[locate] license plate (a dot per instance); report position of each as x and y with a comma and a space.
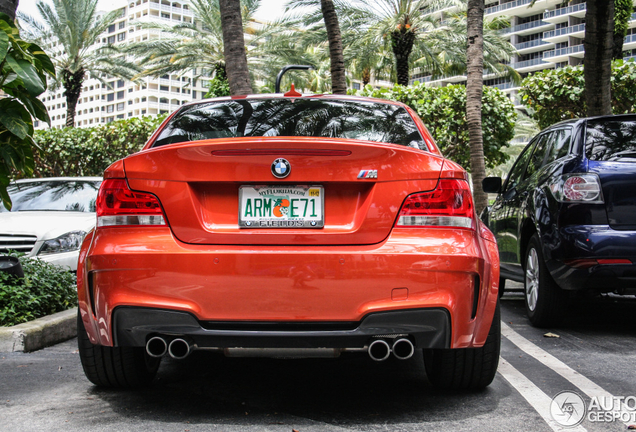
281, 207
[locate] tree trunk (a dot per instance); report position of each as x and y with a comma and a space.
366, 76
234, 48
72, 83
623, 10
402, 41
474, 92
9, 7
597, 61
338, 81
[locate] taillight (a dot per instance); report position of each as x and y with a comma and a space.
117, 205
582, 188
449, 205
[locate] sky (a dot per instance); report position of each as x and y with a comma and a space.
269, 10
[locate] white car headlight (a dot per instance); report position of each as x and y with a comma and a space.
68, 242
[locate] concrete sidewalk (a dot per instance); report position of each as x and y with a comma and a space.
39, 333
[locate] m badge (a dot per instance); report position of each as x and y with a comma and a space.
368, 174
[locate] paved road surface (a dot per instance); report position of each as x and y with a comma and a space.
595, 355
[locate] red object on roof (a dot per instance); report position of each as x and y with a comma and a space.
292, 92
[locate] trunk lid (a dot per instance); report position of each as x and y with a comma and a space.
198, 185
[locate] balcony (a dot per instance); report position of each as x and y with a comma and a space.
504, 86
530, 44
578, 10
529, 64
564, 31
567, 51
506, 6
527, 26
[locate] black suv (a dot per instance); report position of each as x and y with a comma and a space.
565, 218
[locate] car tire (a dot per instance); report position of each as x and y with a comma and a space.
502, 286
543, 298
466, 368
115, 367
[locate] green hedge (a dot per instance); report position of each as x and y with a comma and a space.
443, 110
89, 151
44, 290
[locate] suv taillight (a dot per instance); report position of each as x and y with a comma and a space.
582, 188
449, 205
117, 205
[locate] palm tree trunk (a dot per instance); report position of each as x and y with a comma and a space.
402, 41
338, 81
597, 60
72, 83
474, 91
9, 7
366, 76
238, 74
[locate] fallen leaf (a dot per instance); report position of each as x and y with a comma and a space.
59, 368
551, 335
631, 427
294, 430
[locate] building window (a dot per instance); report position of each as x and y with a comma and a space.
163, 100
122, 24
120, 106
143, 112
120, 94
110, 108
165, 15
163, 88
120, 116
111, 28
111, 39
130, 102
121, 37
110, 97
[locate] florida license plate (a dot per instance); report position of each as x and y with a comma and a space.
281, 207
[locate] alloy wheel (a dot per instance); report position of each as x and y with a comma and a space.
532, 279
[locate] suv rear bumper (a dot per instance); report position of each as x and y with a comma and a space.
426, 328
585, 242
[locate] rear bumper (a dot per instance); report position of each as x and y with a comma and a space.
420, 273
427, 328
595, 242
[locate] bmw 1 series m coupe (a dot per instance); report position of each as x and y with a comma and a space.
288, 226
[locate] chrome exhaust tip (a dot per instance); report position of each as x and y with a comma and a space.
379, 350
179, 349
403, 349
156, 347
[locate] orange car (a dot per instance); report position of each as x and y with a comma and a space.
288, 226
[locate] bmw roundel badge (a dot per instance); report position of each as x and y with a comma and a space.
281, 168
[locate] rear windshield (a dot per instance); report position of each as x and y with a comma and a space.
62, 195
369, 121
611, 140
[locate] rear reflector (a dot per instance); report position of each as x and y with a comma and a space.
449, 205
586, 263
117, 205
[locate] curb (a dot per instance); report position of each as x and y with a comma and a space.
39, 333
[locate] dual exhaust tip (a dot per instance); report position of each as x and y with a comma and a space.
177, 349
380, 350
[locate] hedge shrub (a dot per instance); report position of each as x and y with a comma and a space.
89, 151
558, 94
44, 290
443, 110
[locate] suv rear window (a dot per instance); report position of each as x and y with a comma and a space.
369, 121
611, 140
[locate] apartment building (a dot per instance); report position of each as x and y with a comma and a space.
546, 34
117, 99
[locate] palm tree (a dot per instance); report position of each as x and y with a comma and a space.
474, 92
597, 60
234, 47
8, 7
338, 82
76, 27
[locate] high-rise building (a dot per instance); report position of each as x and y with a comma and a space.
117, 99
546, 34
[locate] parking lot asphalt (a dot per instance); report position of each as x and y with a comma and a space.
594, 355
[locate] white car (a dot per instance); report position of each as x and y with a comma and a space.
49, 218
